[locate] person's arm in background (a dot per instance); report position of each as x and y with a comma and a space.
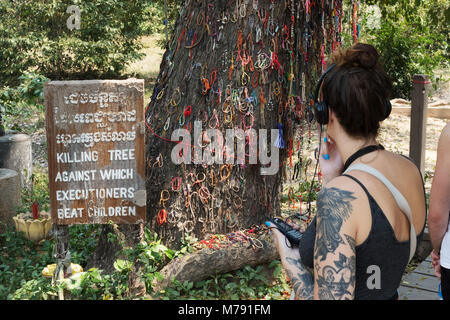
438, 216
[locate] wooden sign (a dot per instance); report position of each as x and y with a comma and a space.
95, 141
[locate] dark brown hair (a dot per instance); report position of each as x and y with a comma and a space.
357, 90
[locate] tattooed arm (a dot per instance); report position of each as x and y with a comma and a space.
300, 276
302, 280
334, 250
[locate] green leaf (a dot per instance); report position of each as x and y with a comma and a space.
123, 265
169, 253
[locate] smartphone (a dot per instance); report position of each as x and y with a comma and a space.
289, 232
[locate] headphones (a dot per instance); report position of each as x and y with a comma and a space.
320, 108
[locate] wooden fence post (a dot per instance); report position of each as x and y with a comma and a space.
419, 104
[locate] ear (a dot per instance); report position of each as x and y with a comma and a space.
331, 117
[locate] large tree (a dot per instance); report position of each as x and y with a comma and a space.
231, 65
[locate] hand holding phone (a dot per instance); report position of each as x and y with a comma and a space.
289, 232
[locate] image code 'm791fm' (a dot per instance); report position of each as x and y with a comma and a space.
224, 310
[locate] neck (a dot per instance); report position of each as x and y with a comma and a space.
347, 145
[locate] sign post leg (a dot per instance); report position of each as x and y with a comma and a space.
62, 255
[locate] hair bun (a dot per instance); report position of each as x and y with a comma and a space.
362, 55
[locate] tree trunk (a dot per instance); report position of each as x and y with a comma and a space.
207, 262
252, 55
105, 254
232, 64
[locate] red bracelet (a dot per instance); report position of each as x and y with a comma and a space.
162, 216
176, 186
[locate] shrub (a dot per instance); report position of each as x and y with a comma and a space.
22, 107
156, 13
21, 265
34, 36
411, 36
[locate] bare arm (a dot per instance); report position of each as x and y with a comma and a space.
301, 278
438, 217
334, 252
333, 277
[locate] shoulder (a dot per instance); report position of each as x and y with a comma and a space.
444, 139
446, 131
399, 169
337, 204
399, 161
342, 191
404, 174
441, 181
337, 201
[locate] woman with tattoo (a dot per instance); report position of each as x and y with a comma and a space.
371, 210
438, 219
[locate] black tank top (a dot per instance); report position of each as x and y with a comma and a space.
381, 248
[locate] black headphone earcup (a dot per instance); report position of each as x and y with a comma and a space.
320, 109
321, 112
388, 109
